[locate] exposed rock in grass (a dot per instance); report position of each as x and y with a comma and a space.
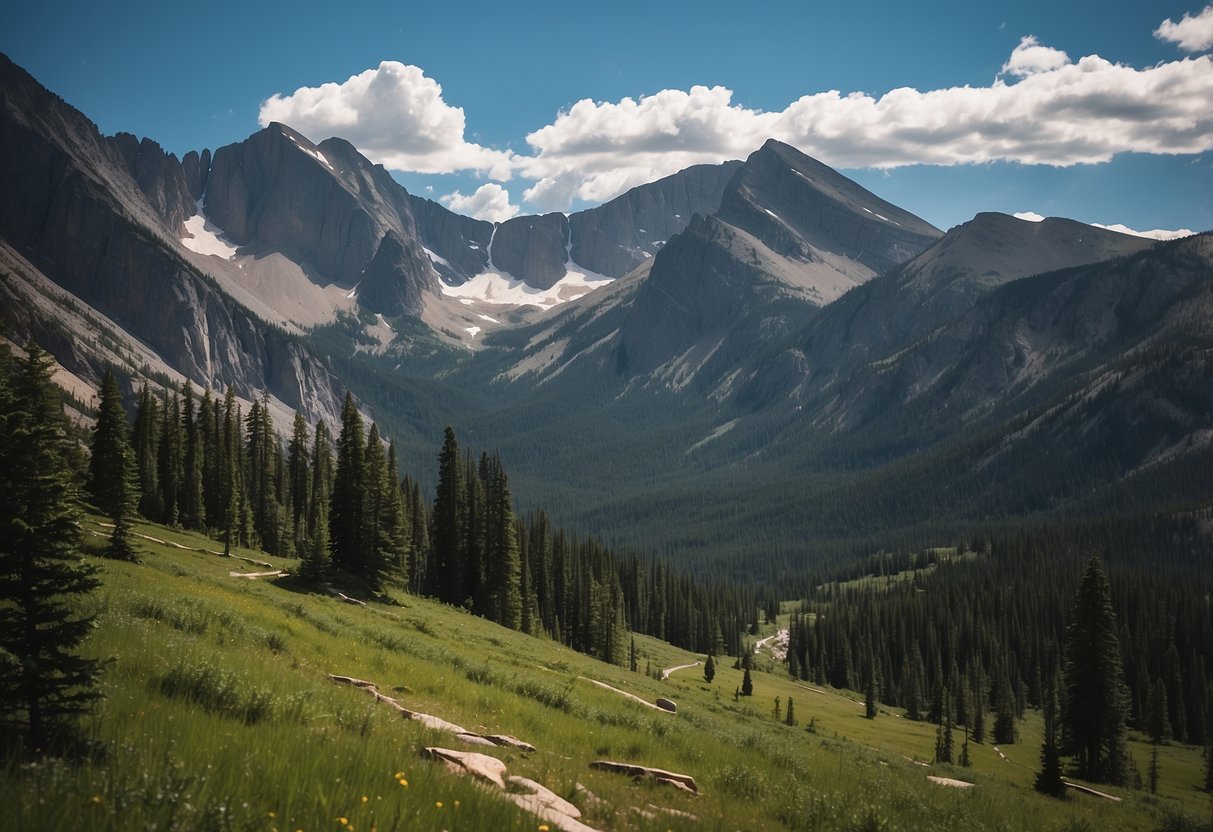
474, 739
480, 765
948, 781
685, 781
667, 705
508, 741
277, 573
1092, 792
541, 794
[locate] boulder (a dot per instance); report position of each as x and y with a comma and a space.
483, 766
667, 705
544, 796
633, 770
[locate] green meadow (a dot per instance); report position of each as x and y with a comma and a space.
219, 714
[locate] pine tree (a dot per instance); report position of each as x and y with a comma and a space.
448, 524
345, 505
1158, 726
316, 558
747, 683
112, 471
107, 464
1096, 701
1048, 779
502, 568
709, 670
230, 472
169, 462
397, 534
790, 719
193, 506
369, 560
301, 483
41, 572
145, 437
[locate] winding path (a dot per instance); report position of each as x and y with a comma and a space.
665, 673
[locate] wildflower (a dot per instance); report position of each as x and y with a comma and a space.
456, 804
438, 804
97, 799
365, 799
404, 782
543, 827
399, 775
271, 813
343, 821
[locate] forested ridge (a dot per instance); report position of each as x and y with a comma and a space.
338, 503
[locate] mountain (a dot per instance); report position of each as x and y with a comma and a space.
100, 218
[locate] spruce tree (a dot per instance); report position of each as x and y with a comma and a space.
301, 483
107, 462
790, 719
709, 670
345, 505
145, 437
193, 506
230, 472
1048, 779
1158, 726
747, 683
448, 524
42, 575
169, 462
1096, 701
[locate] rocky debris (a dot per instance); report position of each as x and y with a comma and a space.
277, 573
682, 781
948, 781
533, 249
480, 765
588, 798
474, 739
667, 705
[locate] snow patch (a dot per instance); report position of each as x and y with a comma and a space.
353, 293
503, 289
315, 154
473, 331
436, 259
204, 238
488, 318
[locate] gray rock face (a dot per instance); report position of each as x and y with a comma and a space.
795, 204
462, 242
533, 249
159, 175
324, 206
619, 235
197, 167
73, 208
394, 282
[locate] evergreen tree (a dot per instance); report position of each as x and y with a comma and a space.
709, 670
790, 719
193, 506
112, 470
502, 568
964, 750
301, 483
145, 437
1048, 779
1096, 697
747, 683
370, 559
169, 462
1158, 726
448, 524
345, 505
397, 535
230, 472
107, 463
41, 572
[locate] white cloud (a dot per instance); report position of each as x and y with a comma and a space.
1030, 58
1156, 234
1073, 113
394, 115
489, 202
1030, 216
1191, 34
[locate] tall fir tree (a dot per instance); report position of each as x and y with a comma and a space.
169, 451
1048, 779
193, 505
1096, 701
345, 505
145, 437
42, 575
448, 525
301, 482
107, 463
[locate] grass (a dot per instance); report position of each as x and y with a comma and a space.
218, 715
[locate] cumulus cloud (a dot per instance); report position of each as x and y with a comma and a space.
1155, 234
488, 202
1191, 34
394, 115
1056, 112
1030, 57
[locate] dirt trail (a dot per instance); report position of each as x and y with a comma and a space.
665, 673
632, 696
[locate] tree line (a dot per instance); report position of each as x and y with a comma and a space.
339, 505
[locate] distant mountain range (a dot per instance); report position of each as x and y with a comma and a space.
756, 359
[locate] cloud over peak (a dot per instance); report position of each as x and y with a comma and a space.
488, 202
395, 115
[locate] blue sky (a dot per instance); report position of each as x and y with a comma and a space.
1096, 117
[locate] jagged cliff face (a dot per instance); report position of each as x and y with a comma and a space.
100, 218
790, 235
323, 206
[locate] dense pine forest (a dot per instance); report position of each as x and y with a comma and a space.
339, 504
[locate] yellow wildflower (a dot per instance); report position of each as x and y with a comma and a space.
438, 804
365, 798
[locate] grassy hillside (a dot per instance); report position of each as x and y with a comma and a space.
219, 714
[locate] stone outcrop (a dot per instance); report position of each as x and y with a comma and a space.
619, 235
397, 278
681, 781
532, 249
160, 177
461, 244
324, 206
197, 168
